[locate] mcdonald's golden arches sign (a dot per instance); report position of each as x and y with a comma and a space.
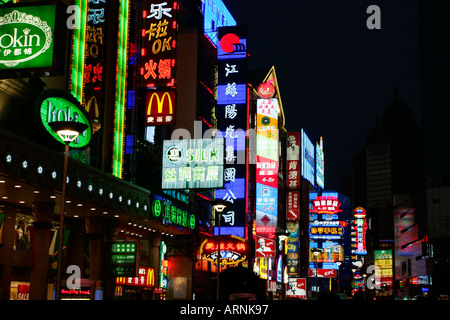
160, 108
145, 278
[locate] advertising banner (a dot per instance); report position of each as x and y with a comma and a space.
296, 288
265, 248
266, 166
160, 107
231, 115
193, 164
293, 243
307, 158
27, 37
158, 46
293, 161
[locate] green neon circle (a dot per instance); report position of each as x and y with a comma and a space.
156, 208
59, 109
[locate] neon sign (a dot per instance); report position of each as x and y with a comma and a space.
320, 164
360, 227
233, 250
195, 163
26, 37
307, 158
160, 108
158, 44
145, 278
231, 114
326, 205
59, 106
171, 213
266, 165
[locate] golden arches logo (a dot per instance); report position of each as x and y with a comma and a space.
160, 99
93, 102
150, 281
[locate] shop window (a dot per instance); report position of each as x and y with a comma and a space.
22, 239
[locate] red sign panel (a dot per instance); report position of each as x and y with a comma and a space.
158, 44
145, 278
233, 250
160, 108
265, 248
322, 273
326, 205
293, 206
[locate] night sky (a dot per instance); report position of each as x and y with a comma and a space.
335, 75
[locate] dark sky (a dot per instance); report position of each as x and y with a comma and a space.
335, 75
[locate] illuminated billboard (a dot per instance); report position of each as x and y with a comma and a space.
192, 164
160, 107
320, 164
27, 38
158, 51
94, 59
307, 158
231, 115
360, 228
266, 165
293, 161
215, 15
59, 105
233, 250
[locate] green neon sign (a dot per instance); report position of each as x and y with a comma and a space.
173, 214
60, 109
26, 37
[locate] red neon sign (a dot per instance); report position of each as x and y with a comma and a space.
326, 205
233, 250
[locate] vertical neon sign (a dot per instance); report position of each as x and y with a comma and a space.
79, 42
266, 166
120, 99
232, 115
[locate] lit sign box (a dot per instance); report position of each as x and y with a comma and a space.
233, 250
307, 158
172, 213
215, 15
160, 108
158, 46
320, 164
124, 259
325, 232
145, 278
326, 205
192, 164
27, 38
59, 105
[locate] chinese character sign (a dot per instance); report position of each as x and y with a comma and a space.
160, 107
293, 161
158, 44
231, 115
266, 166
94, 58
195, 163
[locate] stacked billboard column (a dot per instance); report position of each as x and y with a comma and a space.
232, 115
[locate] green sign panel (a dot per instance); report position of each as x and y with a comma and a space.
172, 213
193, 164
124, 259
57, 108
123, 247
26, 37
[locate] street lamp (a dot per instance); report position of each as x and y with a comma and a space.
219, 206
68, 131
316, 252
